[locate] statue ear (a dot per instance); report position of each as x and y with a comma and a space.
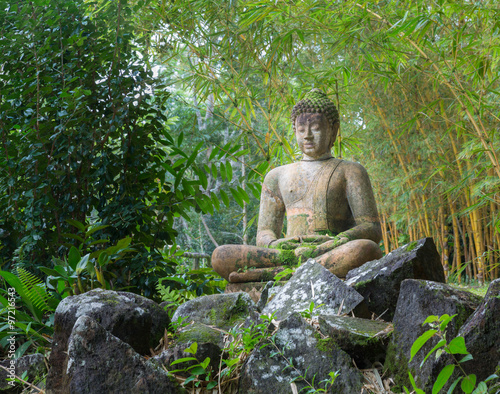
335, 130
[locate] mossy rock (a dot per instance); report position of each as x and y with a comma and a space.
364, 340
199, 333
379, 281
223, 311
482, 334
419, 299
268, 368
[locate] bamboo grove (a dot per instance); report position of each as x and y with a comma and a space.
417, 88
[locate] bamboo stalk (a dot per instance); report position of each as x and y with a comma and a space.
459, 93
384, 233
444, 243
456, 240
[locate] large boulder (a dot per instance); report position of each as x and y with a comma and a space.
313, 283
419, 299
364, 340
135, 320
379, 281
297, 354
482, 335
99, 362
223, 311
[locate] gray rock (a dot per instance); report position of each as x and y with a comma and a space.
33, 364
313, 283
482, 335
364, 340
99, 362
199, 333
219, 310
204, 350
209, 344
418, 300
379, 281
268, 293
136, 320
297, 353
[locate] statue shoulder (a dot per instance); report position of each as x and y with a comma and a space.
353, 169
273, 176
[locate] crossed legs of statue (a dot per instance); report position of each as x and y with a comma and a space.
232, 262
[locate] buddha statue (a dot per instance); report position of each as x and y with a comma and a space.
331, 214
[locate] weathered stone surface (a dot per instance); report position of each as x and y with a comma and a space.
482, 334
32, 363
254, 289
219, 310
204, 350
419, 299
379, 281
200, 333
99, 362
136, 320
266, 369
209, 342
313, 283
364, 340
268, 293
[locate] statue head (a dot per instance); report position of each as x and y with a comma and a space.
316, 102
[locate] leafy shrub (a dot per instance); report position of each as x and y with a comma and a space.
454, 348
84, 136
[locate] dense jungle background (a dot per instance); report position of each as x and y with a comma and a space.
134, 134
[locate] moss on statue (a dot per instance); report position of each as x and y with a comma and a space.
287, 257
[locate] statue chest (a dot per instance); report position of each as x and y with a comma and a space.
311, 192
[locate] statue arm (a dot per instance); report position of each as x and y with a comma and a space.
272, 210
362, 203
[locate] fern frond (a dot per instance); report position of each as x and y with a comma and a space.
176, 297
35, 289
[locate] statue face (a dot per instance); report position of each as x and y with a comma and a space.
314, 135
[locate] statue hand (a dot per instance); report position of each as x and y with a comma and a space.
285, 243
330, 245
316, 239
308, 252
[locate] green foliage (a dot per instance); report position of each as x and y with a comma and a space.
417, 94
32, 290
84, 137
454, 348
198, 372
308, 313
27, 313
185, 286
76, 274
